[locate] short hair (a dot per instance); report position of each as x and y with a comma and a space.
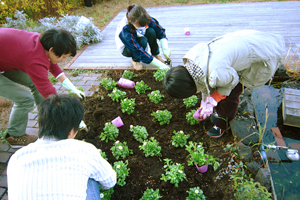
58, 115
61, 40
179, 83
136, 13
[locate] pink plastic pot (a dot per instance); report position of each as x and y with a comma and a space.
187, 31
126, 83
117, 121
202, 169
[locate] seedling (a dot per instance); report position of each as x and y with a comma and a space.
120, 150
159, 75
191, 101
117, 94
141, 87
128, 105
108, 83
156, 96
151, 147
128, 74
111, 132
139, 133
179, 139
190, 119
150, 194
174, 172
195, 194
122, 172
163, 117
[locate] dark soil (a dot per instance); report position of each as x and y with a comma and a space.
145, 172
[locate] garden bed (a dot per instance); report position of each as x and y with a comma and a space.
146, 172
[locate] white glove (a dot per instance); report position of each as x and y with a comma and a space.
155, 62
82, 125
67, 84
207, 107
165, 48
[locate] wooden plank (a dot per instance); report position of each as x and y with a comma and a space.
291, 107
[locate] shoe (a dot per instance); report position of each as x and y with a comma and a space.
215, 132
137, 65
20, 141
158, 57
214, 118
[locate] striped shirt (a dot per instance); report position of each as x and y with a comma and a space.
50, 169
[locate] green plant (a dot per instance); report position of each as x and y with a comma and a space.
141, 87
191, 101
122, 171
246, 188
73, 94
111, 132
150, 194
128, 74
106, 194
156, 96
103, 154
108, 83
195, 194
3, 133
163, 117
117, 94
120, 150
174, 172
159, 75
128, 105
262, 130
190, 119
139, 132
233, 148
179, 139
197, 155
77, 71
52, 79
151, 147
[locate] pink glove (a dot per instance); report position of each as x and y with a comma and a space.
206, 108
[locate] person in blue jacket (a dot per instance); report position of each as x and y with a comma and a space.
135, 31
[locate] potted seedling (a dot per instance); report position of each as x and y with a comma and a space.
117, 121
156, 96
141, 87
126, 83
111, 132
120, 150
117, 94
179, 139
151, 147
174, 172
139, 132
128, 105
108, 83
199, 158
122, 172
159, 75
163, 117
191, 101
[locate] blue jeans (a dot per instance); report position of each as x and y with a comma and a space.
92, 191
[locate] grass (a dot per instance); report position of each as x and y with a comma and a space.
292, 64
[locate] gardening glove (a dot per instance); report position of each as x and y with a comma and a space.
69, 85
155, 62
165, 48
82, 125
207, 107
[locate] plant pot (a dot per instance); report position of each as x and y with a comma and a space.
117, 121
88, 3
202, 169
126, 83
197, 114
187, 31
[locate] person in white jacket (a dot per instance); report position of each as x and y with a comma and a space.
222, 68
135, 31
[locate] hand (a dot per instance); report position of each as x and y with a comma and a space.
207, 107
165, 48
69, 85
82, 125
79, 93
155, 62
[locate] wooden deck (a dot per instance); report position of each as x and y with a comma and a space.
205, 22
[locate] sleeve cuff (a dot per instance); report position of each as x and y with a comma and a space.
217, 96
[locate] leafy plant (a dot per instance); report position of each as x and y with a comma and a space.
73, 94
151, 147
52, 79
179, 139
174, 172
122, 172
120, 150
191, 101
150, 194
246, 187
195, 194
156, 96
141, 87
233, 148
103, 154
128, 105
117, 94
197, 155
108, 83
139, 132
111, 132
190, 119
106, 194
159, 74
77, 71
128, 74
163, 117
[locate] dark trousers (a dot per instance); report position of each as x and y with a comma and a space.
150, 37
227, 108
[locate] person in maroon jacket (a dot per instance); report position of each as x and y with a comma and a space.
26, 58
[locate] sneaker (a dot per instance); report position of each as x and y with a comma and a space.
214, 118
137, 65
158, 57
215, 132
20, 141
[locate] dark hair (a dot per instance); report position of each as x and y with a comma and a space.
58, 115
136, 13
179, 83
61, 40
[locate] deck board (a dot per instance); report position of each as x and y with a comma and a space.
205, 22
